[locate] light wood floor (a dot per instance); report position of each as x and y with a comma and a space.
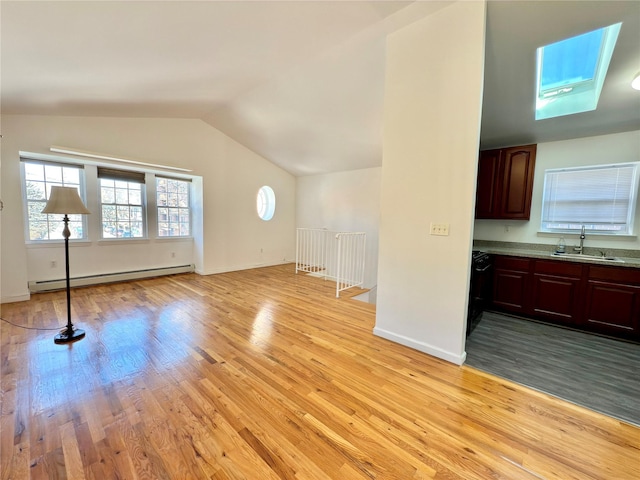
263, 374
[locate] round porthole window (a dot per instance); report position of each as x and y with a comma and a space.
266, 203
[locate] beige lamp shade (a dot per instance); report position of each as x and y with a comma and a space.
65, 200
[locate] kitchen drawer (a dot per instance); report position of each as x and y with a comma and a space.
559, 268
629, 276
512, 263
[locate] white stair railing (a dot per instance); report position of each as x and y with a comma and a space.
335, 255
350, 263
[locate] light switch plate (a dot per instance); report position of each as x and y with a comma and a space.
439, 229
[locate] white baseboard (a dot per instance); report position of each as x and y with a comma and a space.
421, 346
238, 268
58, 284
15, 298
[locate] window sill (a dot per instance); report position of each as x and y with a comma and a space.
56, 243
588, 234
174, 239
117, 241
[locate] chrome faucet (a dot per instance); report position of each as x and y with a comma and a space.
580, 249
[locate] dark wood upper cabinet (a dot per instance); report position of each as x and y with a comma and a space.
517, 183
505, 183
487, 191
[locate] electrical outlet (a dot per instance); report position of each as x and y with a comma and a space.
173, 254
440, 229
53, 264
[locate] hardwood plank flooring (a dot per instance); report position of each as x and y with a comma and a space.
263, 374
599, 373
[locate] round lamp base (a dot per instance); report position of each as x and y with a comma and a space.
65, 337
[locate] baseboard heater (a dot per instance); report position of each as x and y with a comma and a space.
48, 285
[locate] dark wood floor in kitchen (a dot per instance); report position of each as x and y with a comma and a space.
600, 373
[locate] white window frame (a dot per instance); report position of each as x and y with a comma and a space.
266, 203
550, 223
581, 96
161, 205
54, 221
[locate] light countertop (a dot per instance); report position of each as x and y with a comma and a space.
546, 252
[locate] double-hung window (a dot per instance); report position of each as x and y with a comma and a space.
174, 207
39, 177
603, 198
122, 203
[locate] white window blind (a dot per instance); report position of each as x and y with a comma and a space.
602, 198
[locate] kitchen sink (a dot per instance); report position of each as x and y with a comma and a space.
598, 258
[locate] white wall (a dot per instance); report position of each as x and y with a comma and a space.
433, 98
616, 148
344, 201
229, 236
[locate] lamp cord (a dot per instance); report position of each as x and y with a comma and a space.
31, 328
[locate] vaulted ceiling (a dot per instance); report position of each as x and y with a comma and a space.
300, 83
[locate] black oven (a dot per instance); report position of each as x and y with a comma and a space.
480, 288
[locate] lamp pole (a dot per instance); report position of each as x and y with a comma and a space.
68, 334
66, 200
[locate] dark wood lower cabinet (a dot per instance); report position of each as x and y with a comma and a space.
613, 301
602, 299
511, 283
556, 291
612, 306
556, 298
510, 290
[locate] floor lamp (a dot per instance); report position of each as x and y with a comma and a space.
66, 201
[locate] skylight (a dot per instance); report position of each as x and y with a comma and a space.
571, 72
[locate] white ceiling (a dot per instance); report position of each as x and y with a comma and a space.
515, 30
301, 83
